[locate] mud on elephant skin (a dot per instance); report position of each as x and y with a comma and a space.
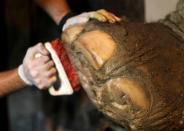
133, 72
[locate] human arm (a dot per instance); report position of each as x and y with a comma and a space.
10, 81
59, 10
56, 9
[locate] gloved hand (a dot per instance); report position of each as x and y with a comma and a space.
101, 15
38, 71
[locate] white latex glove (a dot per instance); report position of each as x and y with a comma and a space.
38, 71
101, 15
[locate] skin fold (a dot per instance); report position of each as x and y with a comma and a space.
133, 72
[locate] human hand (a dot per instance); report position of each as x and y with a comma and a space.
38, 71
100, 15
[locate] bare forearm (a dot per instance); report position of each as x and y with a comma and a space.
10, 81
57, 9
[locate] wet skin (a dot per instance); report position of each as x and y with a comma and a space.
131, 71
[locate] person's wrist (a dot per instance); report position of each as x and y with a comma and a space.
64, 19
56, 9
22, 75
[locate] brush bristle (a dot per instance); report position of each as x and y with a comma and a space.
61, 53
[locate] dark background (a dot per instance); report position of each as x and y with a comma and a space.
3, 66
23, 24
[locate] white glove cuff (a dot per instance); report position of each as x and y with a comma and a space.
79, 19
23, 76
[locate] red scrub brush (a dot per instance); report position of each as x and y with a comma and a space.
67, 77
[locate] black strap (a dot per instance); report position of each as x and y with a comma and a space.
64, 19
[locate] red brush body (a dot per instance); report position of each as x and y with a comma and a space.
62, 54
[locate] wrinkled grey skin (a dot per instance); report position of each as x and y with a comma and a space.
175, 20
141, 86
